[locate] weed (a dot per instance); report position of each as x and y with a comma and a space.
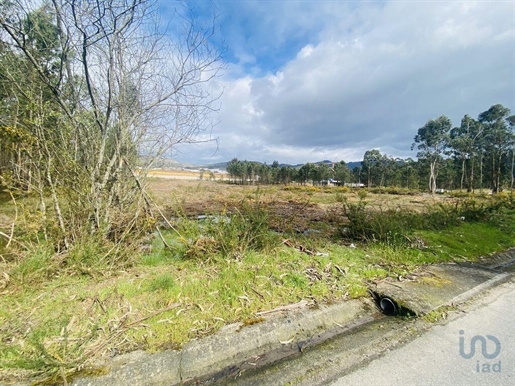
468, 240
163, 282
33, 267
155, 259
61, 312
229, 235
439, 314
341, 197
295, 280
393, 190
356, 288
396, 226
362, 194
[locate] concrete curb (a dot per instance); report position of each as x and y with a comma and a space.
440, 285
237, 349
446, 284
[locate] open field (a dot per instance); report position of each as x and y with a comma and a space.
187, 174
294, 203
228, 254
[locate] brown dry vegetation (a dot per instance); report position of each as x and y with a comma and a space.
295, 204
60, 313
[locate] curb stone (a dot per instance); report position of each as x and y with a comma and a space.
447, 284
441, 285
236, 349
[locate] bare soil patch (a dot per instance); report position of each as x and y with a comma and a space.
289, 209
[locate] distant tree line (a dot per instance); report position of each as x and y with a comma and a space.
478, 154
251, 172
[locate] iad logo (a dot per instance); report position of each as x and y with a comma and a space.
485, 367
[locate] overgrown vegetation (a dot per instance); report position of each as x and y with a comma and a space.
397, 226
257, 250
94, 263
91, 95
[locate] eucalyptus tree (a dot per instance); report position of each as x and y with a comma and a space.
464, 141
409, 173
499, 140
371, 165
511, 123
357, 174
432, 141
341, 172
393, 171
388, 170
121, 91
448, 174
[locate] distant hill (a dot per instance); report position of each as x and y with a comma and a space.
163, 163
223, 165
219, 165
169, 163
354, 165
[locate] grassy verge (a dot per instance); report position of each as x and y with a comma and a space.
65, 313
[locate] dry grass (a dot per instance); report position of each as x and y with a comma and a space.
63, 313
207, 197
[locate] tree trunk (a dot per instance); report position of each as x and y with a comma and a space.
432, 177
481, 174
471, 179
498, 176
462, 172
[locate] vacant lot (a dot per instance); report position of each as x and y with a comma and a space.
188, 174
301, 204
226, 254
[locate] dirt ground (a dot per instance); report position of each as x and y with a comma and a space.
186, 174
297, 207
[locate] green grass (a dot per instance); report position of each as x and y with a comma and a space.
468, 240
59, 313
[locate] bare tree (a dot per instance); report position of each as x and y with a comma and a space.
125, 93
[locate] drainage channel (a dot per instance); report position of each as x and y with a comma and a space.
346, 352
286, 352
385, 304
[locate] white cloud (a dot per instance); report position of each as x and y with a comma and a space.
367, 76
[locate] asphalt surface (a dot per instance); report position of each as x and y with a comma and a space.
352, 342
444, 355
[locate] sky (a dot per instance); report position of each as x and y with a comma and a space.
306, 81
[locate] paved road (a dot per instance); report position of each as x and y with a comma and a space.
443, 356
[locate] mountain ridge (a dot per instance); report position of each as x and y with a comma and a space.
223, 165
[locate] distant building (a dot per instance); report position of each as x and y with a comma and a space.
330, 182
354, 185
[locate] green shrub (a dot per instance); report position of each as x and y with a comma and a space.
393, 226
393, 190
460, 194
229, 235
